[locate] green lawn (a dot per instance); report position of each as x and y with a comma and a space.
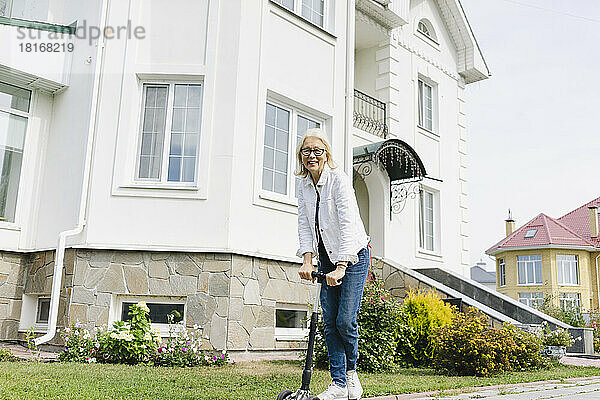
257, 380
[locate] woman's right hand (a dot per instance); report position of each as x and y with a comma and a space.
306, 270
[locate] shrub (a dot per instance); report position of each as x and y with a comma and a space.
129, 342
182, 348
595, 325
378, 325
79, 345
133, 342
421, 314
571, 316
7, 355
557, 337
468, 346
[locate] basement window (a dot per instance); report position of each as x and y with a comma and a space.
291, 323
160, 313
43, 311
530, 233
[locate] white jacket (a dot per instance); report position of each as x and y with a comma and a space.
341, 228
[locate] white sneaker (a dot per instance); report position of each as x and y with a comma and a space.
355, 390
334, 392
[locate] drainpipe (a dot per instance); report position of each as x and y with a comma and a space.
62, 236
350, 27
597, 282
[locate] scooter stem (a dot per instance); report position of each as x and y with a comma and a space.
306, 374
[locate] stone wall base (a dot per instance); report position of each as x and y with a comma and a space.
232, 299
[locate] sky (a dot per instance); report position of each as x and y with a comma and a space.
533, 126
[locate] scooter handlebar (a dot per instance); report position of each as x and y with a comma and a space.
319, 275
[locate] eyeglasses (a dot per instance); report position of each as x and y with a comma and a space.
306, 152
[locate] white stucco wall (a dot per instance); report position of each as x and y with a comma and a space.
244, 53
409, 57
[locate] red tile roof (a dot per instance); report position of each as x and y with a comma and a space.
579, 221
572, 229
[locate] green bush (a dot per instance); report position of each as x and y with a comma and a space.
129, 342
468, 346
79, 345
7, 355
557, 337
182, 348
378, 324
571, 316
421, 314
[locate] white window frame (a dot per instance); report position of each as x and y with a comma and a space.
422, 81
29, 311
501, 272
37, 310
573, 269
163, 182
117, 306
436, 223
532, 300
569, 300
431, 38
13, 224
292, 333
525, 268
298, 11
290, 197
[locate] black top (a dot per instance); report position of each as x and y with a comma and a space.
322, 250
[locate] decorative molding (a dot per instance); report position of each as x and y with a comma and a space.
433, 62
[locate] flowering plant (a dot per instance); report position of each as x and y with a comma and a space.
182, 348
557, 337
217, 359
131, 341
79, 345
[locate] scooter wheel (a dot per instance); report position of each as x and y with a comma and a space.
284, 395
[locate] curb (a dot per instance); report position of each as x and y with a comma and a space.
471, 389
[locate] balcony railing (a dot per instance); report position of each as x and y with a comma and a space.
370, 114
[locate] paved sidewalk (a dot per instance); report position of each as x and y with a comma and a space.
570, 389
23, 353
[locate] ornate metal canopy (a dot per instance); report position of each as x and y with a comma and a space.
402, 164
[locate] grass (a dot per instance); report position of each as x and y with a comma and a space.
257, 380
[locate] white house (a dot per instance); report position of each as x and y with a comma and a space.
155, 161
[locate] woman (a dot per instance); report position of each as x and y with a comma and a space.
329, 226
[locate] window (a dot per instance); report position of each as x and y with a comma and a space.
171, 120
14, 113
282, 124
567, 269
569, 301
425, 28
529, 269
425, 105
311, 10
161, 308
426, 220
501, 272
43, 311
533, 300
160, 313
530, 233
32, 10
290, 323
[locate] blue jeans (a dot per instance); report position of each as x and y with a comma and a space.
340, 305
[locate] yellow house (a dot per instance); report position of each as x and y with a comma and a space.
552, 257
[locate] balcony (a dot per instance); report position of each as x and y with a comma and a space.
370, 114
389, 14
36, 49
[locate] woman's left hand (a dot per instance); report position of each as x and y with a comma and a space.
334, 277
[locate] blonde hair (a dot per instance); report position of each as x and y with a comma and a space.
317, 133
